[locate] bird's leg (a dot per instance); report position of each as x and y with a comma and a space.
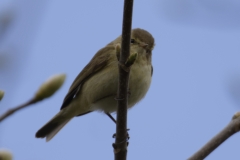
111, 117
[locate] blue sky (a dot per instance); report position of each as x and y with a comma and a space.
193, 95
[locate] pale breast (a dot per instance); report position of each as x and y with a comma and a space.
102, 87
139, 82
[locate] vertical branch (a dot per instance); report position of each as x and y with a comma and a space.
120, 145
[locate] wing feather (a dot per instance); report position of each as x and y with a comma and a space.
97, 63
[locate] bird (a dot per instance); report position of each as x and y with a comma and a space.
95, 87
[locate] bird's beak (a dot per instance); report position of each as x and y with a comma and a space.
142, 44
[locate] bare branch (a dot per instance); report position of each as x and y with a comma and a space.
232, 128
13, 110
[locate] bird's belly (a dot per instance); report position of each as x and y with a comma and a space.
139, 82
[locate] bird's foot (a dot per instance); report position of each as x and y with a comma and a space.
117, 146
128, 137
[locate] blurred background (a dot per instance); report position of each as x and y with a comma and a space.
194, 93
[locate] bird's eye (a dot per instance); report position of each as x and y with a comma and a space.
132, 40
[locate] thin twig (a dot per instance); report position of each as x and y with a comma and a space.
13, 110
232, 128
46, 90
120, 145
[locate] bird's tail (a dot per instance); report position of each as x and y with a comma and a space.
50, 129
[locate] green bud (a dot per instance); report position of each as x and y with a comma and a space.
131, 59
1, 94
49, 87
118, 51
5, 155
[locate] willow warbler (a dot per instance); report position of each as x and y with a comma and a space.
95, 88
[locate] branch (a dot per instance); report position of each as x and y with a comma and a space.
46, 90
13, 110
232, 128
120, 145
